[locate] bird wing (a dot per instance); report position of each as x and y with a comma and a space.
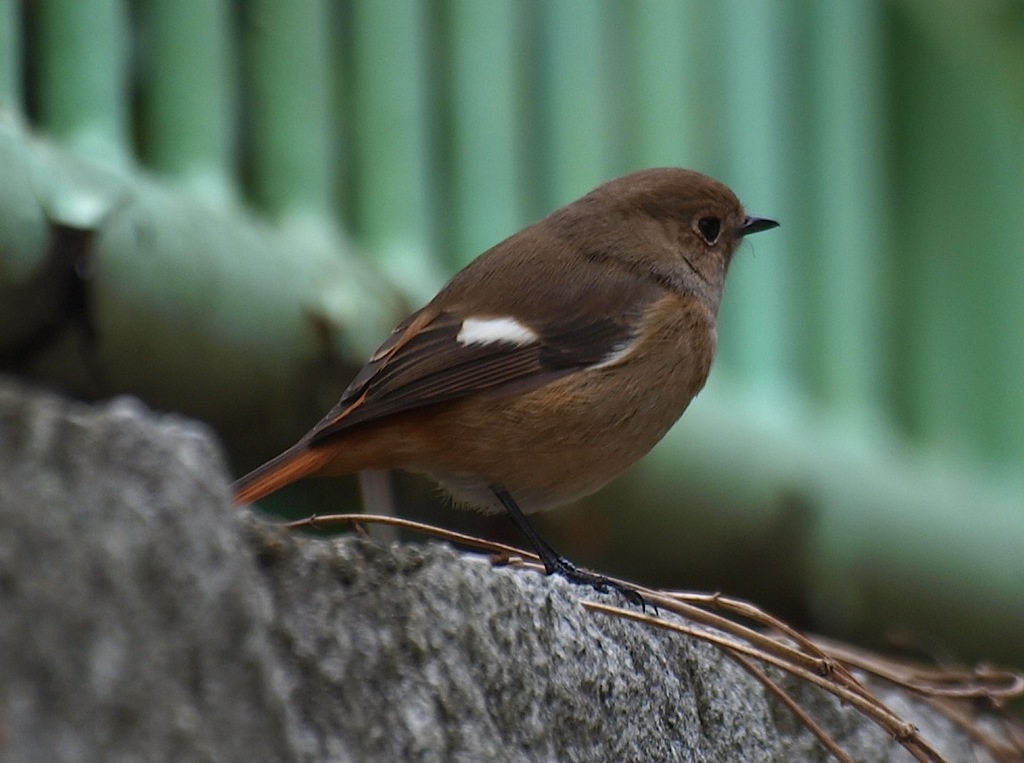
424, 362
532, 333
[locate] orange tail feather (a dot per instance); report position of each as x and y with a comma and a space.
296, 463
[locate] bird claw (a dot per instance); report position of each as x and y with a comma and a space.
578, 576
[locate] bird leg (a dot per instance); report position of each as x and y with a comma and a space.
555, 563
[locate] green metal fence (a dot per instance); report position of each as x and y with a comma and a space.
860, 442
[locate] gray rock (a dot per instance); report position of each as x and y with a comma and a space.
142, 618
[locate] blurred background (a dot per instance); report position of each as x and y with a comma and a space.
223, 207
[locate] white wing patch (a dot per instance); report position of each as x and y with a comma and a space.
489, 330
617, 355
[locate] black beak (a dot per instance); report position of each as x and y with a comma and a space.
756, 225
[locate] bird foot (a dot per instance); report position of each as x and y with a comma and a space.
578, 576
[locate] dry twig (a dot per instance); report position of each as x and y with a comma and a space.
825, 663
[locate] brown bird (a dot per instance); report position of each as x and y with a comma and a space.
549, 364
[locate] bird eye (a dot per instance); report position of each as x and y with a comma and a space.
709, 228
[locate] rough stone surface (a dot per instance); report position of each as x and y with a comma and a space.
142, 618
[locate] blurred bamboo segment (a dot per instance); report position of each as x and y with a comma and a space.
864, 428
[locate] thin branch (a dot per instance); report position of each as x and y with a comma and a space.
816, 660
317, 521
865, 701
782, 695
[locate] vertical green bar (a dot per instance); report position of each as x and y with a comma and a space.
10, 57
761, 143
579, 97
944, 221
845, 266
287, 68
83, 75
187, 106
486, 155
668, 100
23, 229
1000, 338
959, 278
391, 107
